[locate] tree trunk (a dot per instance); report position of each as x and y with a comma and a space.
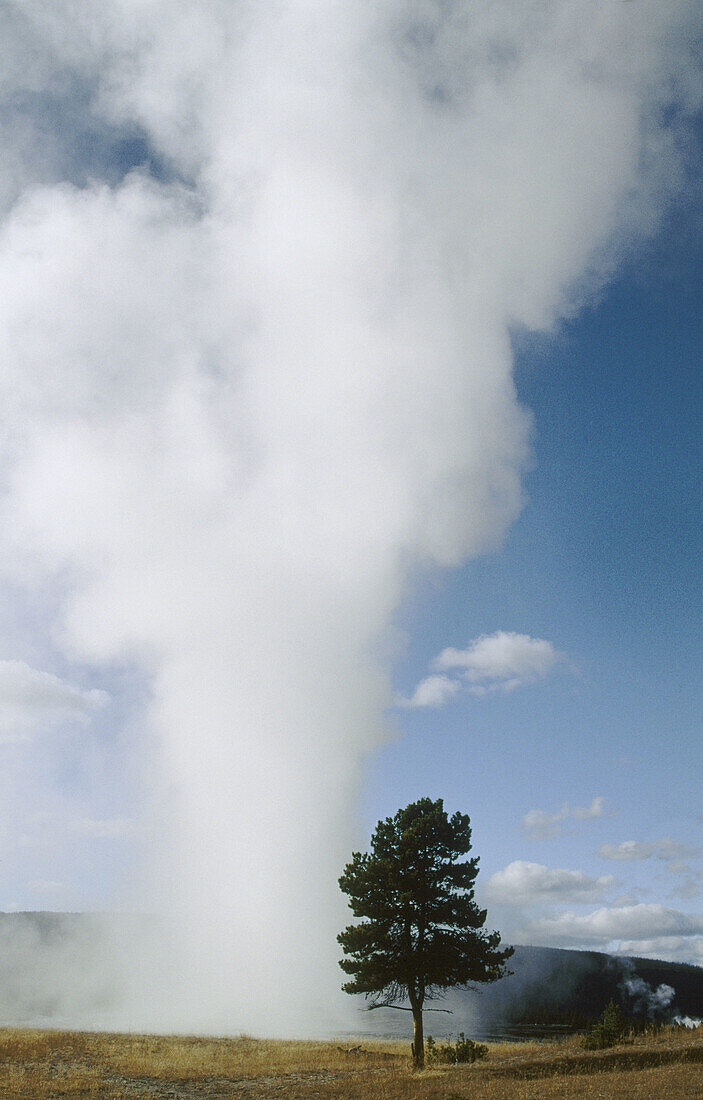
418, 1038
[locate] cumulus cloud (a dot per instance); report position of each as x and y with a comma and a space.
606, 926
522, 883
595, 809
687, 949
29, 697
542, 824
689, 882
664, 849
674, 855
433, 691
493, 662
504, 659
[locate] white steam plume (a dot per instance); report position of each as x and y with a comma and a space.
244, 396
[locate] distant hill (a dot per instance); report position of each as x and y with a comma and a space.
75, 969
553, 990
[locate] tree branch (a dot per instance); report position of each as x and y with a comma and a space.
402, 1008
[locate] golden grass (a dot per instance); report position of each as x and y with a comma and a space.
667, 1065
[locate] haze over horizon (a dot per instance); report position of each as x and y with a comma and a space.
350, 437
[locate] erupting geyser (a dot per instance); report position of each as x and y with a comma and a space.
257, 294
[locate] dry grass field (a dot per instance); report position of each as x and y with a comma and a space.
666, 1066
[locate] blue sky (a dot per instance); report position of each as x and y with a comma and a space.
604, 562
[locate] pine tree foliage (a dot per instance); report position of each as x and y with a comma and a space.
421, 930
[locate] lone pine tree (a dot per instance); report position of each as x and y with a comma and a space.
421, 932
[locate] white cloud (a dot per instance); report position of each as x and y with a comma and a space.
687, 949
433, 691
29, 696
690, 881
522, 883
494, 662
501, 660
586, 813
609, 925
664, 849
672, 853
631, 897
542, 825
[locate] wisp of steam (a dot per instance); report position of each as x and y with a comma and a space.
260, 267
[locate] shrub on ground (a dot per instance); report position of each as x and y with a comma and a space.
609, 1028
464, 1050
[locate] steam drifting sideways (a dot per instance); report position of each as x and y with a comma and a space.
259, 265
